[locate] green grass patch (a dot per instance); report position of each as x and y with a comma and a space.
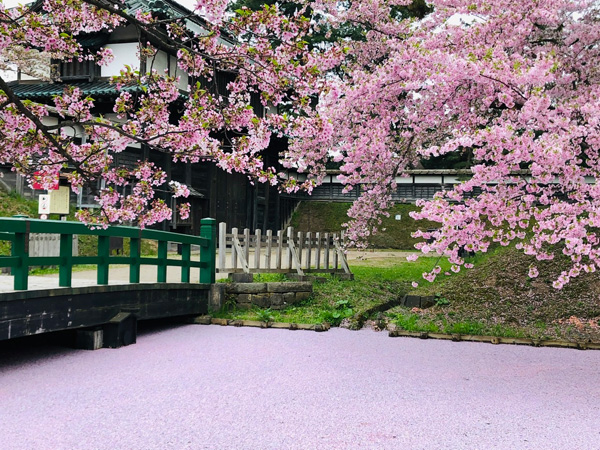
449, 324
335, 300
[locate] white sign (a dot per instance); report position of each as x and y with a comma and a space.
44, 204
398, 217
59, 200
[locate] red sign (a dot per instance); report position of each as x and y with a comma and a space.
37, 176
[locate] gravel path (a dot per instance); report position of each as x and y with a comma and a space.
193, 387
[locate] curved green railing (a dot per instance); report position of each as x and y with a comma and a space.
17, 230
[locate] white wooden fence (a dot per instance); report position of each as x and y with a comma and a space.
281, 253
48, 244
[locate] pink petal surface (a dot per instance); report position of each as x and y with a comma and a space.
192, 387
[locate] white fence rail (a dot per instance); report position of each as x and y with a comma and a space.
280, 253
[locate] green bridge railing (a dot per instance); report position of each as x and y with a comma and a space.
17, 230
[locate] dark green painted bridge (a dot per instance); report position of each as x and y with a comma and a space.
108, 309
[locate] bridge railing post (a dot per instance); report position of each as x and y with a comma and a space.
20, 249
208, 230
65, 270
161, 267
135, 245
103, 263
186, 254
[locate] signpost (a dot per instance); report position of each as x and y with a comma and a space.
59, 200
44, 206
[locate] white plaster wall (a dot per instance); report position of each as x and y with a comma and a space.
160, 62
177, 72
126, 53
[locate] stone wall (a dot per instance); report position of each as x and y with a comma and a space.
263, 295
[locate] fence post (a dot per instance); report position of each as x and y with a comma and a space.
66, 260
326, 254
247, 245
208, 230
103, 254
318, 252
161, 267
135, 245
290, 236
300, 246
308, 249
257, 247
222, 244
234, 255
335, 253
279, 249
186, 255
269, 247
20, 249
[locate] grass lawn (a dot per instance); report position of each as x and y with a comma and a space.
375, 284
495, 298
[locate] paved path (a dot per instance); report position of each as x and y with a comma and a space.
195, 387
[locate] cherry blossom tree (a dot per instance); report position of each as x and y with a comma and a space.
513, 83
265, 50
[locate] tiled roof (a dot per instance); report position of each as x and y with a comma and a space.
41, 91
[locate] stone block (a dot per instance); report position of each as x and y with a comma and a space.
290, 286
301, 296
412, 301
202, 320
221, 322
241, 277
246, 288
262, 300
216, 296
276, 301
243, 298
320, 327
427, 302
289, 298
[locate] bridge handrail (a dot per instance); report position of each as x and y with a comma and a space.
17, 230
